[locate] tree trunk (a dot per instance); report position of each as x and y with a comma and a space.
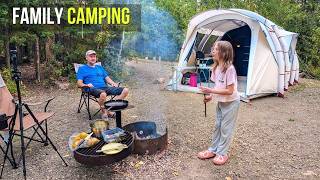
48, 47
7, 47
37, 60
7, 52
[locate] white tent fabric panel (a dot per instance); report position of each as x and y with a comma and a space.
285, 48
202, 17
280, 61
253, 46
265, 70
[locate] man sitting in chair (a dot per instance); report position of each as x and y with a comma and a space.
95, 77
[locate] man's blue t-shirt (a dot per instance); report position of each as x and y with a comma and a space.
95, 75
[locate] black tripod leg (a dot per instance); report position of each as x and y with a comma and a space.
15, 166
23, 148
42, 130
4, 152
11, 126
7, 157
46, 141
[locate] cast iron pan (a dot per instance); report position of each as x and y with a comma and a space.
116, 104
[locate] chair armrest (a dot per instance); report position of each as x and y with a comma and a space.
39, 103
118, 84
84, 89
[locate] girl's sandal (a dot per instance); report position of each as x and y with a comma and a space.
220, 160
206, 154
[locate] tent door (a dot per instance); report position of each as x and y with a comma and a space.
240, 38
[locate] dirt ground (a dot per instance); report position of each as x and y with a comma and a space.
275, 138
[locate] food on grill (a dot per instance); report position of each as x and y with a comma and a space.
92, 141
76, 143
83, 135
81, 140
112, 148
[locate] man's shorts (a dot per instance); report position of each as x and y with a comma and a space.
108, 90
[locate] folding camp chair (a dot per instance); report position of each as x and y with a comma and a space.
30, 120
86, 96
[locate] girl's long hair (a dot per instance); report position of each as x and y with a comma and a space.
225, 54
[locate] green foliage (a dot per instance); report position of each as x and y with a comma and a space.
103, 37
11, 85
22, 38
52, 72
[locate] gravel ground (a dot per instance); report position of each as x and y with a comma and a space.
275, 138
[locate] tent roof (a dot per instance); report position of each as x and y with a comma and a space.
220, 27
229, 23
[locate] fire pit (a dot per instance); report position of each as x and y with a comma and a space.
90, 157
147, 140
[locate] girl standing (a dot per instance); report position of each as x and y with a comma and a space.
225, 92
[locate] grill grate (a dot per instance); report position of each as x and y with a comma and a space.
91, 151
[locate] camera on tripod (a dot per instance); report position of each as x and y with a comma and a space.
16, 74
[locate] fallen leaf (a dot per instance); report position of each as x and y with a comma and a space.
138, 164
175, 173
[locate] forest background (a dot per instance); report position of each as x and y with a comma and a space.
52, 50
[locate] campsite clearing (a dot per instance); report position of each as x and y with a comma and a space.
276, 138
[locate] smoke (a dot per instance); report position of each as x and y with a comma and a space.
159, 34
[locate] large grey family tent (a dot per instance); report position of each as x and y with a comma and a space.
265, 54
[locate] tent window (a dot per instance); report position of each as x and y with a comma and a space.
208, 45
199, 37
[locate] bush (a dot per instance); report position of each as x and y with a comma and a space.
53, 70
11, 85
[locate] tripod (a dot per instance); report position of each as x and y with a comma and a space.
19, 105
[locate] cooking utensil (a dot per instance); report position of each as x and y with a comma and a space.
205, 106
116, 104
99, 126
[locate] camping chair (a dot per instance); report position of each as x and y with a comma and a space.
34, 121
86, 96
